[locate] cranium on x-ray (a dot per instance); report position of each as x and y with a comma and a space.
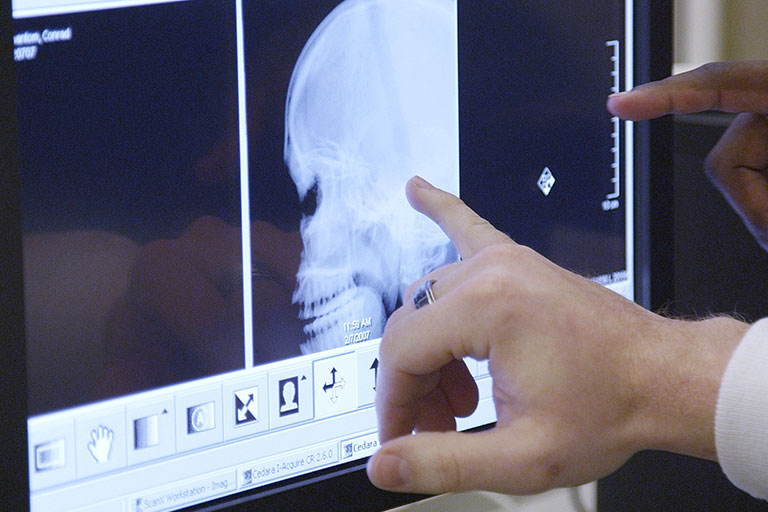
372, 101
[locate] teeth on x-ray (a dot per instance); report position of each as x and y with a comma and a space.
325, 331
372, 101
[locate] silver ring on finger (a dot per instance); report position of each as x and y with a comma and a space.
424, 294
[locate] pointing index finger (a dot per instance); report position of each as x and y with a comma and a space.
469, 232
723, 86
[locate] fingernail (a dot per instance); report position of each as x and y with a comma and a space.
620, 94
392, 471
420, 182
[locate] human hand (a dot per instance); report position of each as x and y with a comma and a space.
738, 164
582, 378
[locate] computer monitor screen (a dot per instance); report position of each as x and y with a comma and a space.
215, 229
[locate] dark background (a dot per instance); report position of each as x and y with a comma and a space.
115, 122
533, 80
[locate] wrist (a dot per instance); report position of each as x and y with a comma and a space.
677, 380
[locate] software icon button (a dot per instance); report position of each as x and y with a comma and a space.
201, 418
247, 406
245, 409
291, 392
347, 450
100, 444
335, 384
289, 395
151, 429
50, 455
146, 432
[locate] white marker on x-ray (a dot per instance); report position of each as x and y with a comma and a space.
373, 98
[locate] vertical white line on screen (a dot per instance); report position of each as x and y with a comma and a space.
629, 154
245, 210
456, 119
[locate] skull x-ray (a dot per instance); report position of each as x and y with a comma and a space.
372, 101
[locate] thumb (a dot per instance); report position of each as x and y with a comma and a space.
497, 460
469, 232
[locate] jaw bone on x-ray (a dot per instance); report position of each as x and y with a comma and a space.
372, 101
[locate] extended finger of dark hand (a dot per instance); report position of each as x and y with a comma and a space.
724, 86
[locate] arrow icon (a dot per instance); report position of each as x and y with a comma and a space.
242, 413
329, 385
246, 405
334, 386
375, 368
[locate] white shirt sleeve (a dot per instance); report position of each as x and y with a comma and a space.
741, 418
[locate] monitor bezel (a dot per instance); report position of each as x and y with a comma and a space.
14, 489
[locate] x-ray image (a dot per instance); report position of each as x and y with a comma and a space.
373, 100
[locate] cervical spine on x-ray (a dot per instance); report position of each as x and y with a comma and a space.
373, 100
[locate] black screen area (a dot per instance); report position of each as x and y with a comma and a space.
533, 80
118, 117
121, 112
